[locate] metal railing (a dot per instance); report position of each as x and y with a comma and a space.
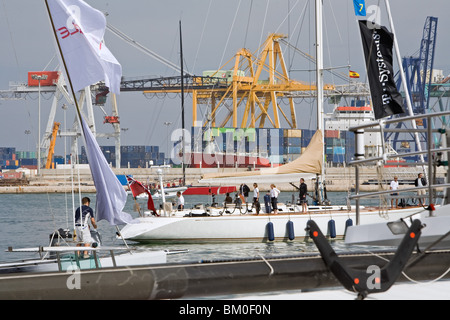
358, 130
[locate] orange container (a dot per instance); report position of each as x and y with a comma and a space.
52, 78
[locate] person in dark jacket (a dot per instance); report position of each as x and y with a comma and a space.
421, 182
244, 190
303, 192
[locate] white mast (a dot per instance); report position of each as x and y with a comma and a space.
405, 86
319, 81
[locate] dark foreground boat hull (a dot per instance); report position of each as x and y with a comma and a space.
204, 279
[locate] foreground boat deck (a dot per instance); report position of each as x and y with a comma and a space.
208, 278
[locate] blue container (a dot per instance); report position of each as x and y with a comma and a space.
338, 158
339, 150
294, 150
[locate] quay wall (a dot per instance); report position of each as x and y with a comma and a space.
337, 179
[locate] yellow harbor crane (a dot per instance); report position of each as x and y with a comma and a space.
51, 149
254, 83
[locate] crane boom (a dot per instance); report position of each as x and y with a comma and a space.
51, 149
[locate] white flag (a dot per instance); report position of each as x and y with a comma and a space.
111, 196
80, 30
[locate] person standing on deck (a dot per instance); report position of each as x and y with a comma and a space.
180, 204
303, 192
394, 187
256, 198
83, 215
421, 182
274, 192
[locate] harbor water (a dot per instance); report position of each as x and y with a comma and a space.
27, 220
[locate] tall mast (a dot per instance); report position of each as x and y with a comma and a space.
319, 82
182, 108
404, 83
319, 64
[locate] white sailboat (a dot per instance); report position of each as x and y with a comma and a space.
220, 224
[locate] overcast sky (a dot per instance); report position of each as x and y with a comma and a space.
213, 31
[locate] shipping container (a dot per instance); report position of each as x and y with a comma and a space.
294, 150
332, 134
292, 157
13, 175
292, 142
292, 133
52, 78
329, 150
339, 150
338, 158
11, 167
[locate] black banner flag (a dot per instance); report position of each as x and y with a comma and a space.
377, 44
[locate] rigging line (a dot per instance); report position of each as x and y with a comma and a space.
328, 48
311, 59
248, 23
335, 21
287, 16
231, 30
299, 21
228, 39
409, 278
262, 28
11, 37
201, 36
348, 36
142, 48
150, 133
45, 68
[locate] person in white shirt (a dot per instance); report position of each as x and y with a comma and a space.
256, 198
274, 192
180, 201
394, 187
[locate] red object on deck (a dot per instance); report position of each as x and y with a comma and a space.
209, 190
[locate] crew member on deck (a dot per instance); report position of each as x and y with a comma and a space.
303, 192
274, 192
394, 187
82, 223
421, 182
180, 201
256, 198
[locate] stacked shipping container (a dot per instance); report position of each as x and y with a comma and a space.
280, 145
134, 156
8, 158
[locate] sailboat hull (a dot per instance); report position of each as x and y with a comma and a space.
247, 227
435, 227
